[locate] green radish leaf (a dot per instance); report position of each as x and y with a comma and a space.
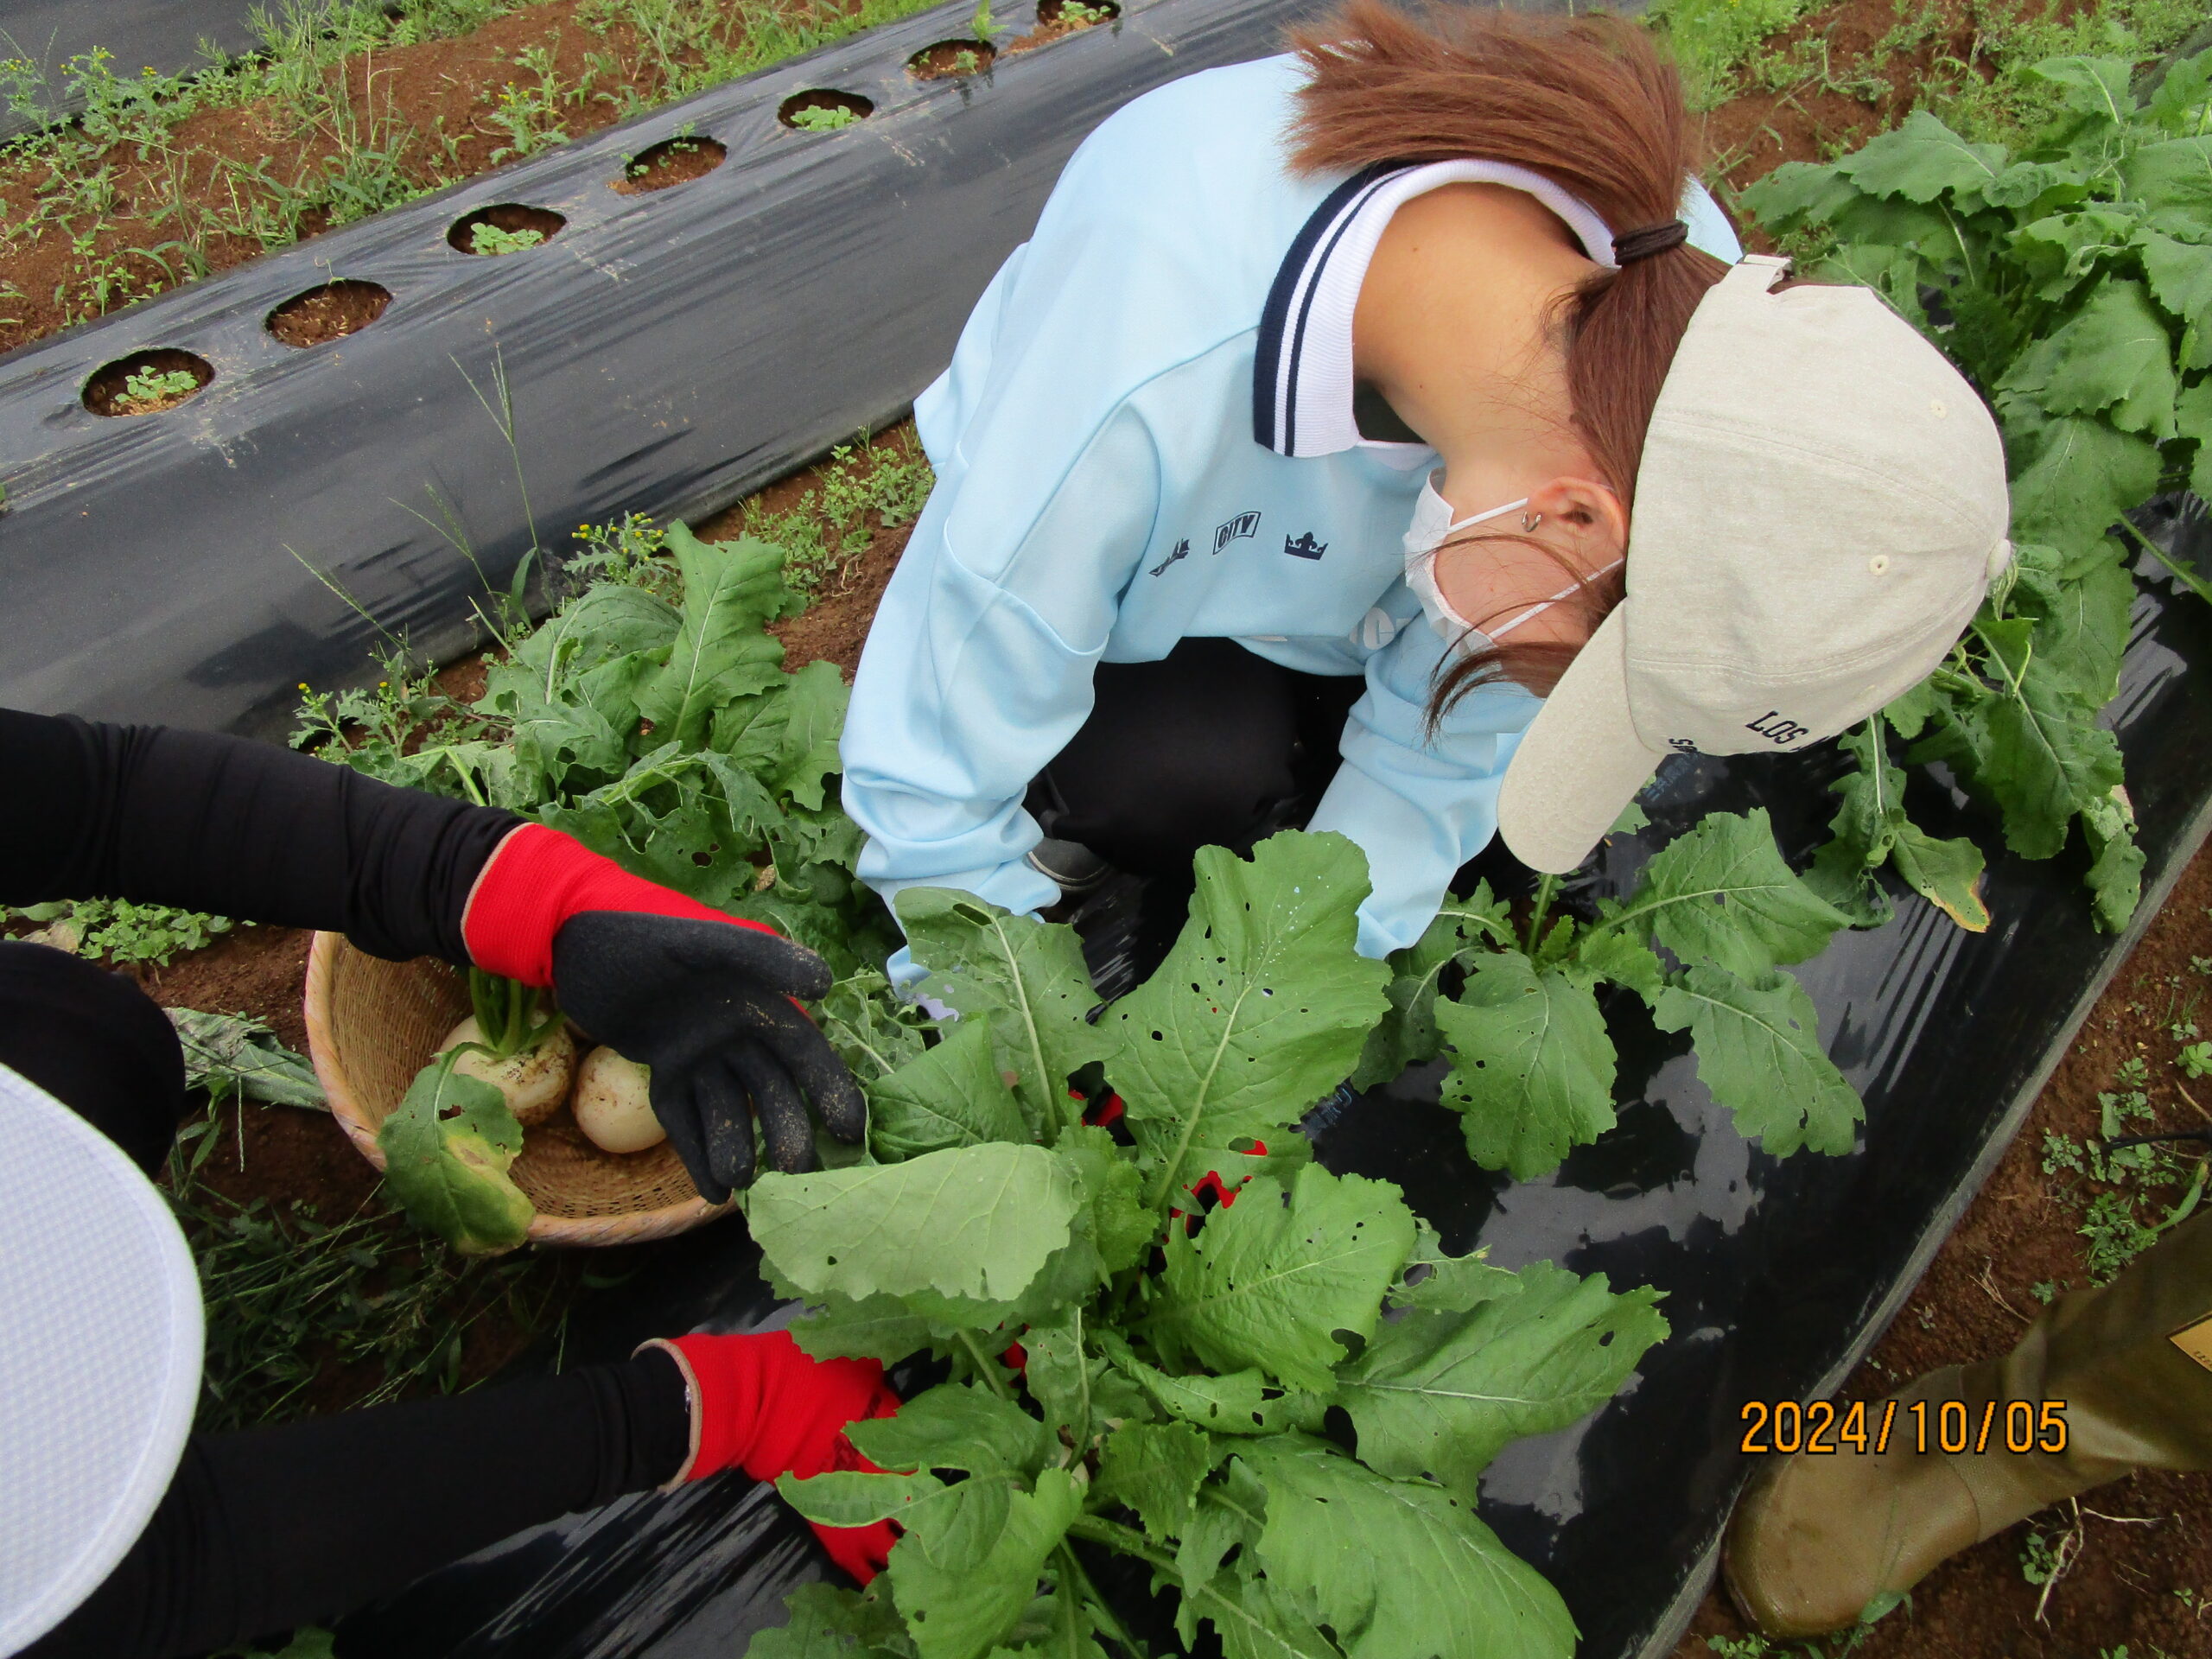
1261, 1009
1946, 874
828, 1623
874, 1031
2113, 359
1228, 1516
1154, 1469
963, 1612
1450, 1284
1438, 1393
1758, 1052
1114, 1217
949, 1096
2074, 477
974, 1222
2097, 87
955, 1427
1533, 1074
2034, 746
722, 651
814, 719
1398, 1569
1270, 1277
1722, 894
2193, 414
447, 1146
1463, 929
2183, 93
1077, 1390
1024, 978
1612, 954
2116, 877
877, 1327
1240, 1402
2181, 280
2174, 179
1920, 160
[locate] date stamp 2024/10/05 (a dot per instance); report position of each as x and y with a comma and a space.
1951, 1425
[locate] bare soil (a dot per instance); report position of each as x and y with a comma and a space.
431, 103
671, 162
331, 312
952, 61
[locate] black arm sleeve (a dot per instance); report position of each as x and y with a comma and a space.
246, 829
272, 1528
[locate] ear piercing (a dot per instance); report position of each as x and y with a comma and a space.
1530, 521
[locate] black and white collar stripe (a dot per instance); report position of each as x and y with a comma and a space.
1302, 368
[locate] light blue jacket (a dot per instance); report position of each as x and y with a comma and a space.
1101, 495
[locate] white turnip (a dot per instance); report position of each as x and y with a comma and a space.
534, 1081
613, 1105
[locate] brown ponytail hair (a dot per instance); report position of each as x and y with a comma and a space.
1593, 104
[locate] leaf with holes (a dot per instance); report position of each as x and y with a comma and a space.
1261, 1009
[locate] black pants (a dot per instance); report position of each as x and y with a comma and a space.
272, 1528
1212, 746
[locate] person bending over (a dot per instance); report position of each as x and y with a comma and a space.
1389, 438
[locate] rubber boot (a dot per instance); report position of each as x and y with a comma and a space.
1820, 1536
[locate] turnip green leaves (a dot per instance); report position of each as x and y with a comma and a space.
446, 1147
1533, 1068
2072, 283
1176, 1364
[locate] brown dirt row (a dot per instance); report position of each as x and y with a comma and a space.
430, 104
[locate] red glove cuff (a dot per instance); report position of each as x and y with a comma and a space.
761, 1404
535, 880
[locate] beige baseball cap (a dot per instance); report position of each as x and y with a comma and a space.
1820, 510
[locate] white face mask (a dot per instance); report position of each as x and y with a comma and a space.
1433, 523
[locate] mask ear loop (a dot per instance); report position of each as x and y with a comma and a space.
1565, 592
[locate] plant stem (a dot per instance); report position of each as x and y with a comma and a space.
985, 1367
1548, 885
2188, 579
1218, 1607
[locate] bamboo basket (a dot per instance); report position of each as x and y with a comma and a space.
373, 1024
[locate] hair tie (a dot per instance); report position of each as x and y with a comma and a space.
1652, 239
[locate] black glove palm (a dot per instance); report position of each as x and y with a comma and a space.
707, 1007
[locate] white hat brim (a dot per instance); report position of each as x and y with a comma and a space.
1580, 763
100, 1337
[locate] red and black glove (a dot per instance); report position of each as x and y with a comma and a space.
758, 1403
703, 999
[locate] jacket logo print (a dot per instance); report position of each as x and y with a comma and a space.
1243, 525
1304, 547
1182, 551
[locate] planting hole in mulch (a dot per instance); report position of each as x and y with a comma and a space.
504, 227
951, 60
330, 312
672, 161
145, 382
820, 109
1075, 13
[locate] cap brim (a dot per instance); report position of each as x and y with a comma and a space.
1580, 763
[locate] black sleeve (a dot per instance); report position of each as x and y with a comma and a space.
273, 1527
245, 830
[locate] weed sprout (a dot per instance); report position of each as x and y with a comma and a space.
147, 390
488, 238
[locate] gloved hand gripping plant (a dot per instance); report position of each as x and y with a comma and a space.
1130, 1373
